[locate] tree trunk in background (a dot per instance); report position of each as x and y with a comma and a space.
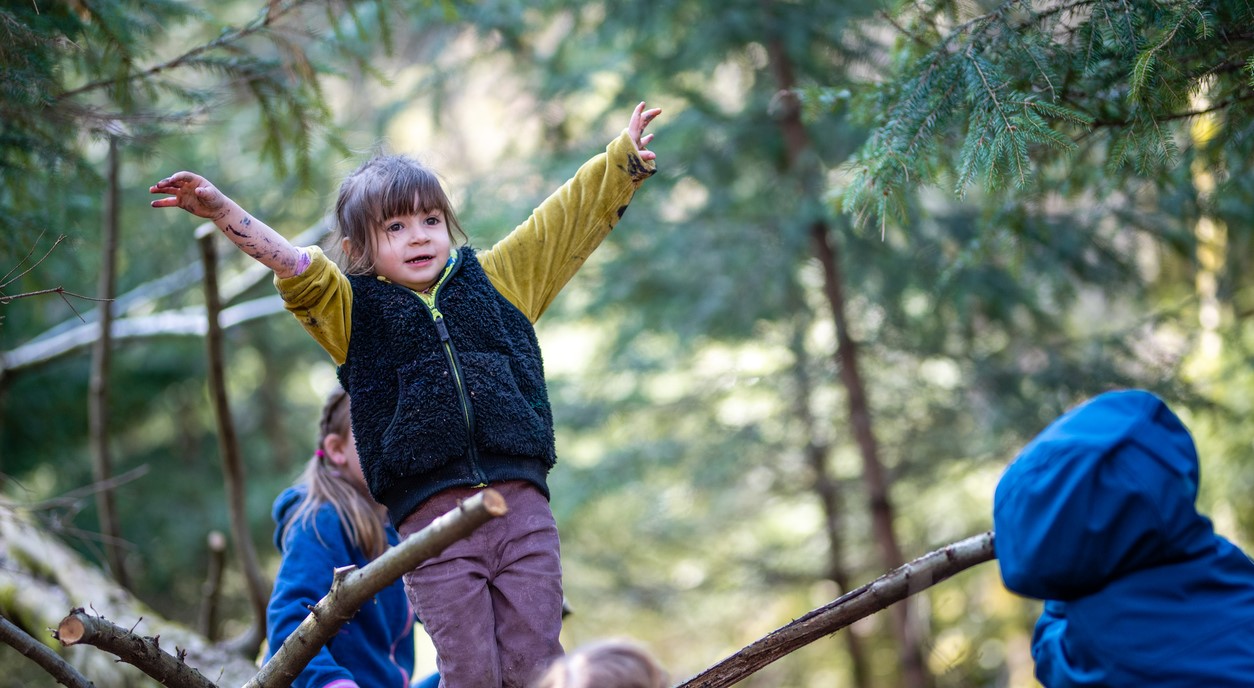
271, 397
829, 496
232, 465
98, 396
914, 673
211, 589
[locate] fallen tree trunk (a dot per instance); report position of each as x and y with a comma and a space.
894, 586
41, 578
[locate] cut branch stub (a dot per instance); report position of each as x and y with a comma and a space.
142, 652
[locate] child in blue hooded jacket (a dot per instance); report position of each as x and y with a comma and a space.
1097, 517
325, 521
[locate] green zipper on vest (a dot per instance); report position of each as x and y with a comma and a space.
450, 352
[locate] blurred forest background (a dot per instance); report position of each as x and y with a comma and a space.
885, 246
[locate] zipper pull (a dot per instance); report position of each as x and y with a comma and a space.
439, 325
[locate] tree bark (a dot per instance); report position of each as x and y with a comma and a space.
228, 446
143, 652
98, 395
895, 586
799, 152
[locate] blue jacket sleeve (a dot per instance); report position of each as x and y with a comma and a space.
310, 557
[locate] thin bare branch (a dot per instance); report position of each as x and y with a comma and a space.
894, 586
8, 281
6, 300
352, 588
74, 496
4, 281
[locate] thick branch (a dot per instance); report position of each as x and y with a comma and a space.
140, 651
353, 587
894, 586
40, 654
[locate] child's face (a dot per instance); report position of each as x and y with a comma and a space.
412, 250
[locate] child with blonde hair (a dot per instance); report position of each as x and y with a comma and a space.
606, 664
437, 347
325, 521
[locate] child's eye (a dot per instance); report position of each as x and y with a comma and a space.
432, 220
393, 227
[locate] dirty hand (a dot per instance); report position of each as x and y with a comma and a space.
192, 193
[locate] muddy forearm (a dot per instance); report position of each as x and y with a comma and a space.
259, 240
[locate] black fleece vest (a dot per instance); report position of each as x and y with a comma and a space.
447, 400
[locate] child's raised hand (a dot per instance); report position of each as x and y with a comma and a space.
640, 119
192, 193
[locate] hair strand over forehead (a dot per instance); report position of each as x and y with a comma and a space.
384, 187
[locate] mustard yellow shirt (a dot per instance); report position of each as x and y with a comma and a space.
529, 266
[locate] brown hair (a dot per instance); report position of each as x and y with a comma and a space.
384, 186
359, 514
606, 664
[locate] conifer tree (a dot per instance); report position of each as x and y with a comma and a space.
75, 73
1065, 96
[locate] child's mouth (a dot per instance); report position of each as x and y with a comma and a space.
419, 259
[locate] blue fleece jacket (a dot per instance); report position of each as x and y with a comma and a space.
375, 649
1096, 516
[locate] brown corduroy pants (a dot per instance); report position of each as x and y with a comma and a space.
491, 602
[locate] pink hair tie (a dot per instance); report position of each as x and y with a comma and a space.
320, 454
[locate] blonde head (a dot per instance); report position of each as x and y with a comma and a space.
607, 664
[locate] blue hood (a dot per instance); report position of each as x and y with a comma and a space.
283, 508
1097, 516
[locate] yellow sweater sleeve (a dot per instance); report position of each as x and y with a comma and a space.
529, 266
322, 300
532, 264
